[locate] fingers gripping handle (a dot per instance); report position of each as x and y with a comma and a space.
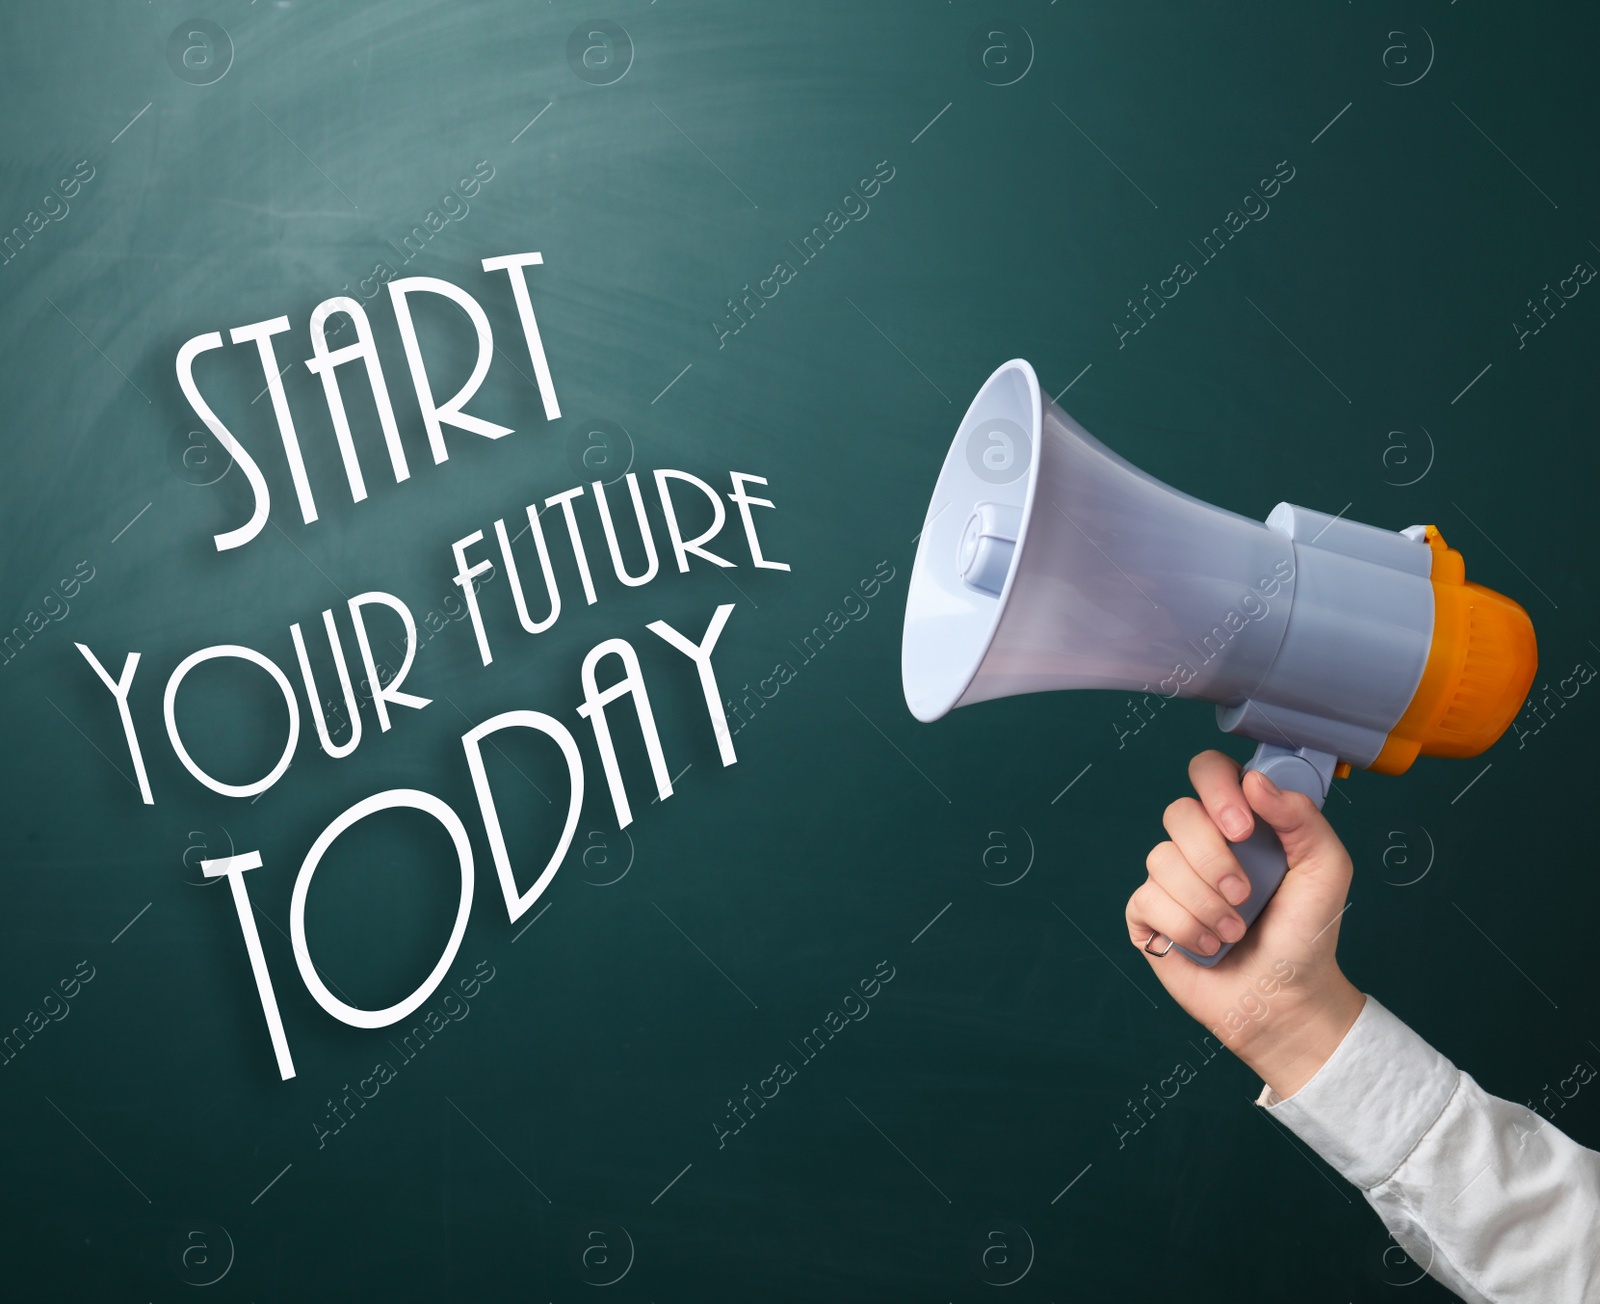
1299, 769
1264, 864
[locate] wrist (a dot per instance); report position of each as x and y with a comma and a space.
1292, 1052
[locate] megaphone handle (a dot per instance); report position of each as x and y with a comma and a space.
1299, 769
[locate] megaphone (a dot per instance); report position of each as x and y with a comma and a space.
1048, 562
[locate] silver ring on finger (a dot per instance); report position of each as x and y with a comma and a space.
1158, 954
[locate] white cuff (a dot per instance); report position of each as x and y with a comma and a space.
1376, 1096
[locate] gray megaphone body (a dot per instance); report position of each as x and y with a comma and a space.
1048, 562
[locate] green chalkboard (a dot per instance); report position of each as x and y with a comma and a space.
788, 241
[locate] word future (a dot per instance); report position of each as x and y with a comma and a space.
325, 362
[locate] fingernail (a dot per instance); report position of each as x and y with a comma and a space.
1207, 944
1234, 823
1231, 929
1235, 889
1268, 784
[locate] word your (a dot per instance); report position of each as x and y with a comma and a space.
1535, 715
811, 645
33, 623
1255, 209
1253, 608
784, 1072
853, 208
33, 1022
454, 208
325, 363
55, 209
1551, 302
411, 1045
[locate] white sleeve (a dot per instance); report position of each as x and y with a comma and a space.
1489, 1197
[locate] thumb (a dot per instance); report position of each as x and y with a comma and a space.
1311, 846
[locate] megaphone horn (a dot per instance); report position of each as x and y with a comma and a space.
1047, 562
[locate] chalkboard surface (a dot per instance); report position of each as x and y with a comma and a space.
788, 241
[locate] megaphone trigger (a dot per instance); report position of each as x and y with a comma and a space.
1261, 855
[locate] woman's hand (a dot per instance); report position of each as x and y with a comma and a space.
1278, 1000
